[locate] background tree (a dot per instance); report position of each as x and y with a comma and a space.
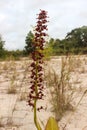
1, 47
78, 37
29, 43
75, 42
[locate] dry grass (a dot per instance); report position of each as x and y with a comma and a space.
62, 86
61, 89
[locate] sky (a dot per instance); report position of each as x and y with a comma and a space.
18, 17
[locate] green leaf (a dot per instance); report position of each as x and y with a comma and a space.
52, 124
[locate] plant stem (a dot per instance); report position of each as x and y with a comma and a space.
35, 117
35, 103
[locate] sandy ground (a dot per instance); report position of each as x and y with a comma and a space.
14, 111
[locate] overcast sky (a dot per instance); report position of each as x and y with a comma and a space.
18, 16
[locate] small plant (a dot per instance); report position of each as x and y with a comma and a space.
12, 87
37, 79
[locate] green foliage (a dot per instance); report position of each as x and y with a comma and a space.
53, 46
48, 51
76, 40
51, 124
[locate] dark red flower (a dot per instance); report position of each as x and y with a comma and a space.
37, 86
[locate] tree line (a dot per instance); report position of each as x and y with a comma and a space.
75, 42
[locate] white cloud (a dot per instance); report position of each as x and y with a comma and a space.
16, 18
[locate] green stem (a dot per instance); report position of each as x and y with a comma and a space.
35, 103
35, 117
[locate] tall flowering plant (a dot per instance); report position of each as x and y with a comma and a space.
37, 85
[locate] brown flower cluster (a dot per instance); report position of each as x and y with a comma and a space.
36, 89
